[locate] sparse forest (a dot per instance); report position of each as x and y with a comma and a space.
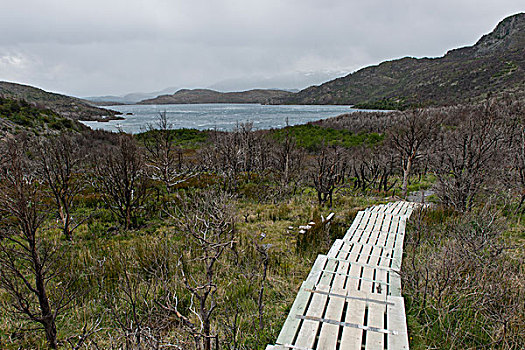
186, 239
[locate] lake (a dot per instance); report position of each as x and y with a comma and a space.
217, 116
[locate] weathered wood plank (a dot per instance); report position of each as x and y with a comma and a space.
396, 321
334, 310
308, 332
315, 272
376, 319
351, 338
291, 325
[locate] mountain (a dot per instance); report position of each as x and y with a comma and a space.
186, 96
131, 98
493, 66
65, 106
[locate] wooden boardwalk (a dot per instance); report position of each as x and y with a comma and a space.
352, 297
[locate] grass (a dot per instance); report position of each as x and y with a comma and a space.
101, 250
463, 272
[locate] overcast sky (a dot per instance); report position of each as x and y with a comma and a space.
100, 47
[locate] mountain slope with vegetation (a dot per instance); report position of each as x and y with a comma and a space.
493, 66
65, 106
18, 115
186, 96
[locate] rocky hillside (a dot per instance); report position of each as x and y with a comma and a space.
494, 65
211, 96
65, 106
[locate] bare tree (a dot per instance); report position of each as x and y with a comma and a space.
262, 249
409, 138
465, 156
61, 162
516, 149
209, 224
327, 173
27, 267
519, 165
128, 298
372, 168
163, 156
239, 152
287, 158
121, 178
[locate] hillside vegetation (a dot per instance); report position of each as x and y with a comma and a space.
65, 106
18, 115
493, 66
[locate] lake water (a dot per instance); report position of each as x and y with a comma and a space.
217, 116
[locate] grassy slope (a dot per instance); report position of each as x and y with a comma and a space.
496, 64
66, 106
16, 115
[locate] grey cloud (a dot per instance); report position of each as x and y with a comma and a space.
118, 46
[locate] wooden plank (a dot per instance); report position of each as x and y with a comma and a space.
402, 208
409, 208
373, 237
329, 332
388, 221
383, 229
390, 241
376, 319
397, 209
368, 271
336, 248
361, 215
394, 283
390, 208
341, 276
386, 258
327, 278
353, 283
308, 331
353, 253
361, 244
398, 245
367, 217
315, 274
396, 321
287, 347
379, 274
352, 337
291, 325
347, 276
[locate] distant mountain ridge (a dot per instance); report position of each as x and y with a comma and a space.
130, 98
493, 66
65, 106
195, 96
